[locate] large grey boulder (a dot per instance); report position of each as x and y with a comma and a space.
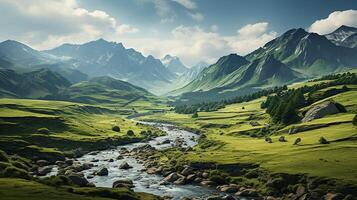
320, 110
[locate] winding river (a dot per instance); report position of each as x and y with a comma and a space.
143, 181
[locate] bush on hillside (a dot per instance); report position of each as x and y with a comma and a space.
116, 128
3, 156
195, 115
130, 133
43, 131
354, 121
340, 107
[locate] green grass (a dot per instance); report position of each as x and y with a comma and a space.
334, 160
70, 125
14, 189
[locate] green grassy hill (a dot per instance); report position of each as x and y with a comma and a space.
35, 84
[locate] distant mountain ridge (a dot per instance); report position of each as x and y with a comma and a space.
293, 56
344, 36
103, 58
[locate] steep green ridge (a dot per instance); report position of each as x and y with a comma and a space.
233, 75
35, 84
309, 53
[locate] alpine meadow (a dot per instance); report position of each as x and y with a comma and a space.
178, 100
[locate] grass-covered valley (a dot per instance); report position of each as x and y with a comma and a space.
259, 115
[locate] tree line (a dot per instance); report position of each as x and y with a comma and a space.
283, 106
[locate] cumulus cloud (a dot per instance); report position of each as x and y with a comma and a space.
196, 16
189, 4
193, 43
251, 37
334, 21
45, 24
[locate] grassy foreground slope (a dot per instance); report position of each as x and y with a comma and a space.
67, 126
231, 139
14, 189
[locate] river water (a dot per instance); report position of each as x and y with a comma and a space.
143, 181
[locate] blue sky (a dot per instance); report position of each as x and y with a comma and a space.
194, 30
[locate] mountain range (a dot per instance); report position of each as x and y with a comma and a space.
294, 56
69, 68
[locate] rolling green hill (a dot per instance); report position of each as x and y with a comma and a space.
102, 90
34, 84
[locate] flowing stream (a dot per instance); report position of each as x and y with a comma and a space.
143, 181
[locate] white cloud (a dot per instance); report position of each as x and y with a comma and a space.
196, 16
164, 11
45, 24
334, 21
250, 37
214, 28
189, 4
193, 44
126, 28
253, 30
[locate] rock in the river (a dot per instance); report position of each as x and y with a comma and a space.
205, 175
123, 183
120, 157
180, 181
125, 165
103, 172
187, 170
214, 197
42, 171
78, 179
42, 163
111, 160
229, 189
207, 183
172, 177
320, 110
191, 177
247, 192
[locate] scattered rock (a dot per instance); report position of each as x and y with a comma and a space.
172, 177
247, 193
268, 140
78, 179
282, 139
229, 189
297, 141
123, 183
111, 160
207, 183
180, 181
188, 170
42, 171
120, 157
320, 110
254, 123
125, 165
103, 172
205, 175
42, 163
331, 196
300, 191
